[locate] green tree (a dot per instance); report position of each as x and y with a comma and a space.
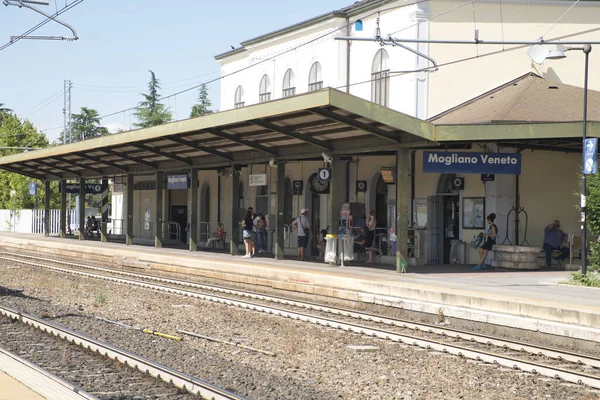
4, 111
150, 111
85, 125
15, 187
593, 218
203, 108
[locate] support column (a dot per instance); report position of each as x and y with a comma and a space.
279, 242
402, 196
158, 220
128, 217
194, 210
235, 218
63, 208
47, 195
104, 208
81, 208
336, 193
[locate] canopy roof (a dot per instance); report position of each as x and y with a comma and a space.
296, 128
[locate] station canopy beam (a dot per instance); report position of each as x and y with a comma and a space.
104, 162
161, 153
129, 158
245, 142
196, 146
292, 133
82, 166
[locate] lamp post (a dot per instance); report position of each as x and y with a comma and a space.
557, 53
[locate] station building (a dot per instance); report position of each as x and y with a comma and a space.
396, 142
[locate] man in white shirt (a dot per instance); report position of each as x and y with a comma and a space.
301, 223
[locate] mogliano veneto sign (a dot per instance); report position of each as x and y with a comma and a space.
471, 163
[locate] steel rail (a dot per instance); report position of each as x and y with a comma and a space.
549, 352
479, 355
39, 370
180, 380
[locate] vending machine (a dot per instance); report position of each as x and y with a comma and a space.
350, 214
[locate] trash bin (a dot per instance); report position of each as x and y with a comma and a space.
346, 247
331, 248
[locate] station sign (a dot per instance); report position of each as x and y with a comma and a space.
298, 187
90, 188
361, 186
324, 174
591, 156
180, 181
471, 163
258, 180
32, 188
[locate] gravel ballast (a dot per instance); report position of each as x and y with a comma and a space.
311, 362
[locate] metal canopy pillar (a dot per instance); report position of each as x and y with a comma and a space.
279, 242
194, 210
47, 195
235, 223
336, 193
402, 208
129, 211
63, 208
158, 220
104, 223
81, 209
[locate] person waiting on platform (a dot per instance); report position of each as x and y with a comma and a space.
216, 237
554, 238
370, 239
489, 241
87, 231
304, 233
247, 225
260, 223
321, 244
95, 226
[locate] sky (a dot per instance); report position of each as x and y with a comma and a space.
119, 41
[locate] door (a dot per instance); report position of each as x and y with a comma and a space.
451, 224
435, 230
315, 221
179, 215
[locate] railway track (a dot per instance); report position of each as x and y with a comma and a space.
551, 362
100, 369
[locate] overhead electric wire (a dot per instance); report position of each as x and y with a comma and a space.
561, 17
38, 26
42, 102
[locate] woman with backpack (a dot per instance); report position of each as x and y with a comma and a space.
303, 226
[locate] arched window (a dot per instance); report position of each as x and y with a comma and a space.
289, 84
262, 200
380, 78
315, 78
265, 89
239, 97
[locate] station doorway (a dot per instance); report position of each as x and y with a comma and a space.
179, 215
443, 221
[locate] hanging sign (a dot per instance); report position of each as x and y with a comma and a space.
387, 174
471, 163
488, 177
591, 156
32, 188
258, 180
298, 187
90, 188
361, 186
324, 174
178, 182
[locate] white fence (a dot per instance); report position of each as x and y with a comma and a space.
32, 221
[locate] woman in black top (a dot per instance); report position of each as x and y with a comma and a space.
247, 225
490, 241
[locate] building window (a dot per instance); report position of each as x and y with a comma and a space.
265, 89
262, 200
315, 78
289, 87
380, 79
239, 97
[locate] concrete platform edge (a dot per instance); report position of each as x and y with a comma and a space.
540, 316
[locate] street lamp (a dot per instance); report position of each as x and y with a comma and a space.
555, 54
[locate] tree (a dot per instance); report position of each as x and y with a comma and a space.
4, 111
151, 112
202, 108
85, 125
16, 133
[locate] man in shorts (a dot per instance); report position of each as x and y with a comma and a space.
303, 226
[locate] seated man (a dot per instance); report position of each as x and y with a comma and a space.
553, 240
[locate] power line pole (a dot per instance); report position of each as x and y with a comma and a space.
67, 137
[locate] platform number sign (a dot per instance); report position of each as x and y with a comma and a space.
324, 174
32, 188
298, 187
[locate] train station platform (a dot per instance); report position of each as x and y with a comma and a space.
21, 380
530, 300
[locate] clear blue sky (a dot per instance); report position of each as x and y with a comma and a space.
120, 41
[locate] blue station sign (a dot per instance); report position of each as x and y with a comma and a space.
591, 156
178, 182
471, 163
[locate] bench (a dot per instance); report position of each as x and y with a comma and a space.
214, 243
575, 245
